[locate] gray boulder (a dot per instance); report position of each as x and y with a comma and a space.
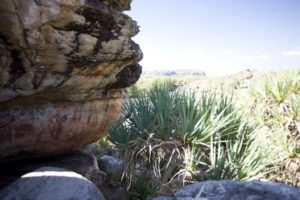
112, 166
49, 183
235, 190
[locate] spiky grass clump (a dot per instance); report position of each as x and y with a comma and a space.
276, 87
143, 187
277, 111
178, 137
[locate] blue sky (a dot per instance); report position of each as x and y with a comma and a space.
218, 36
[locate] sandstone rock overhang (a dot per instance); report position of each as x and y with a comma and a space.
62, 66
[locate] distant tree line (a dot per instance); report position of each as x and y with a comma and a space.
175, 73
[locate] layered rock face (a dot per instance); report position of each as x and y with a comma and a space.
62, 64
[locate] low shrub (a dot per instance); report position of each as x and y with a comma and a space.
178, 137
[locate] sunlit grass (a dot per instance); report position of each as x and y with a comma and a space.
276, 110
181, 137
226, 131
276, 87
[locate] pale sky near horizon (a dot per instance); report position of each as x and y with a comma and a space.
218, 36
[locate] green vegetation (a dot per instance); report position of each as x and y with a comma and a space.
275, 105
170, 136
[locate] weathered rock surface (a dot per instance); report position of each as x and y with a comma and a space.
111, 166
235, 190
62, 64
50, 183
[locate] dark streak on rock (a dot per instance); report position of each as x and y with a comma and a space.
127, 77
37, 80
16, 69
5, 40
99, 24
120, 5
80, 61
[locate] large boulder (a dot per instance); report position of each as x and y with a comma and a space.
50, 183
235, 190
62, 66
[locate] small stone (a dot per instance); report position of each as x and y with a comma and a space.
112, 166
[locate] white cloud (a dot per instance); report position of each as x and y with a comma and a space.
291, 53
253, 57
